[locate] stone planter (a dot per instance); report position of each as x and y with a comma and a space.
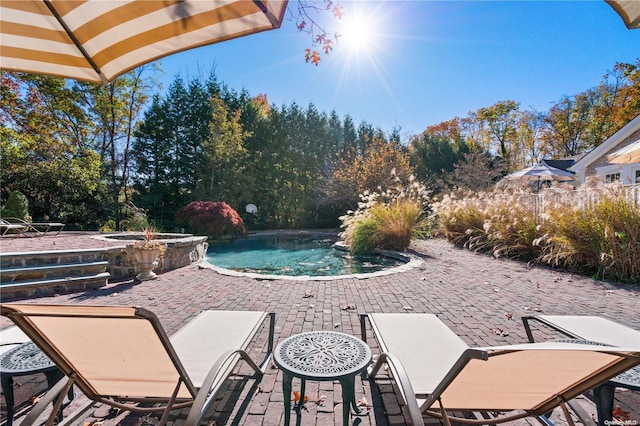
146, 260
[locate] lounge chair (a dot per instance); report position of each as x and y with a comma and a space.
6, 226
39, 228
437, 372
596, 329
121, 356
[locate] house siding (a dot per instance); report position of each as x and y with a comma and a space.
602, 161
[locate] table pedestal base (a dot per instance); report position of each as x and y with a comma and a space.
348, 385
322, 356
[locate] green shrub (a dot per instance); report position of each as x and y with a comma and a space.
17, 206
363, 239
108, 226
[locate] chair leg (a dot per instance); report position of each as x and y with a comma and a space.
167, 411
445, 417
584, 417
567, 414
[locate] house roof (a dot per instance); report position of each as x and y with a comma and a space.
562, 164
606, 146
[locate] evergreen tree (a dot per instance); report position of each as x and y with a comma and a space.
350, 137
153, 157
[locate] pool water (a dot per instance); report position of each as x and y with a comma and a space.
277, 255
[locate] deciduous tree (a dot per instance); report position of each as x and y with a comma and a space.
372, 170
566, 125
45, 140
115, 110
500, 124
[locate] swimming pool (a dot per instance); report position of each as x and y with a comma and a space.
295, 255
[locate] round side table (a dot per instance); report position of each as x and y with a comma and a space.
24, 360
322, 356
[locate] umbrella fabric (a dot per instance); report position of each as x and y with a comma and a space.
629, 11
626, 155
99, 40
541, 172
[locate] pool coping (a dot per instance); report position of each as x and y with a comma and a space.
411, 261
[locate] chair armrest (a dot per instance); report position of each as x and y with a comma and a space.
402, 380
59, 390
214, 380
272, 324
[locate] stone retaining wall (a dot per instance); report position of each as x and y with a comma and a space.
180, 252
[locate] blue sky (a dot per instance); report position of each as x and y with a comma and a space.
426, 61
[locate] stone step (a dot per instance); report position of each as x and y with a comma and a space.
42, 287
39, 272
52, 257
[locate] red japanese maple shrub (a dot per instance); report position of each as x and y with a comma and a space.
217, 220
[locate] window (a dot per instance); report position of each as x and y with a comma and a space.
613, 177
637, 176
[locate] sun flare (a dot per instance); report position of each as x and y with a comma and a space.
357, 33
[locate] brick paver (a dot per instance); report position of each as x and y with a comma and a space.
477, 296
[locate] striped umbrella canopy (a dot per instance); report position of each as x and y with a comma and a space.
629, 11
98, 40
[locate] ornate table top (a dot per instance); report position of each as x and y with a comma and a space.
322, 355
25, 358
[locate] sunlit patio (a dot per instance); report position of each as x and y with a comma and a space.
480, 298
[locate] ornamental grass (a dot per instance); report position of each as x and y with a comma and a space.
602, 239
592, 230
387, 219
388, 226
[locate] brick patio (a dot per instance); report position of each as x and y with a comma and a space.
477, 296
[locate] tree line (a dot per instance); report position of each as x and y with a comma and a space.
83, 153
474, 150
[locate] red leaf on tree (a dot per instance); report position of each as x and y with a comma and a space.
338, 13
302, 25
315, 58
307, 55
210, 218
320, 39
327, 47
